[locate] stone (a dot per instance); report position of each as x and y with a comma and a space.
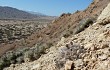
90, 46
107, 27
94, 58
12, 65
103, 65
103, 57
105, 16
61, 42
78, 63
93, 48
96, 28
103, 46
26, 60
69, 65
35, 67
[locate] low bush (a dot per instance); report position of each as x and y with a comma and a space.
36, 55
20, 60
66, 35
83, 24
19, 55
29, 55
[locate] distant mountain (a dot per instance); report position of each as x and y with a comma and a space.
37, 13
13, 13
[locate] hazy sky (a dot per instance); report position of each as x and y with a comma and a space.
48, 7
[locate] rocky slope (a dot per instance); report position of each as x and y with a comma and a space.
13, 33
88, 50
66, 24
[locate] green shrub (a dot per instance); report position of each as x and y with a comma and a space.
19, 55
4, 64
83, 24
20, 59
66, 35
1, 65
71, 32
12, 61
29, 55
36, 54
48, 46
10, 55
3, 58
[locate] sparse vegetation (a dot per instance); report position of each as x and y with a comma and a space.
19, 55
66, 35
11, 32
83, 24
71, 32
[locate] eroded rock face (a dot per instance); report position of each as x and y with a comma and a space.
104, 18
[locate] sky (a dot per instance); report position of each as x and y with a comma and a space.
48, 7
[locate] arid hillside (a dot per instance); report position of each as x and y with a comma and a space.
87, 50
77, 32
13, 33
64, 26
67, 24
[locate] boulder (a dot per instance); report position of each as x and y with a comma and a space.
104, 18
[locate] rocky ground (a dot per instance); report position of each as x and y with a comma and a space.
88, 50
15, 33
64, 26
12, 32
67, 24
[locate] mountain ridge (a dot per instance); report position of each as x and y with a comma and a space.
7, 12
37, 13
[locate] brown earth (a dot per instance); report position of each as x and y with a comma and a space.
87, 50
65, 24
68, 22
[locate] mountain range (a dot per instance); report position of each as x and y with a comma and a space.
13, 13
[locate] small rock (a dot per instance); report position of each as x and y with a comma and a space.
69, 65
88, 46
96, 28
103, 65
35, 67
94, 58
93, 48
78, 63
105, 51
104, 46
107, 27
103, 57
12, 65
16, 65
26, 60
